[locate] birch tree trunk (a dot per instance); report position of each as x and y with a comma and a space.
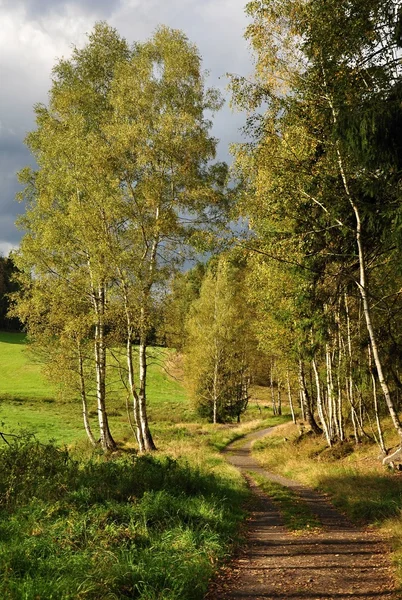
274, 409
339, 385
85, 417
381, 442
290, 397
307, 402
106, 439
130, 367
320, 405
215, 389
133, 393
279, 404
142, 395
330, 393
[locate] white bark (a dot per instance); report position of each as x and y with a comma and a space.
320, 406
85, 417
290, 397
106, 439
362, 283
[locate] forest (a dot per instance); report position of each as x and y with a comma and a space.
174, 304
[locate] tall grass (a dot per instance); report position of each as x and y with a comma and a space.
132, 527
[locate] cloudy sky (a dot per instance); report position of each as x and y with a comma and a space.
35, 33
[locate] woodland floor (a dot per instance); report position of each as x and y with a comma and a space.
335, 561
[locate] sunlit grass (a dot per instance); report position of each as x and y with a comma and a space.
295, 513
20, 374
352, 475
28, 402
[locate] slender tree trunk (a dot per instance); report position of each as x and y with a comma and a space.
142, 398
301, 400
130, 367
320, 406
339, 386
133, 392
274, 410
87, 425
290, 397
349, 374
306, 401
106, 439
215, 387
330, 394
146, 292
381, 442
279, 404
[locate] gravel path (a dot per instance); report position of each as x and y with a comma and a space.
338, 562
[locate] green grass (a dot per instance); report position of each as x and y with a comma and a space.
28, 402
296, 515
133, 527
76, 524
20, 374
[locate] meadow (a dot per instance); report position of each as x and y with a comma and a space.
77, 524
29, 402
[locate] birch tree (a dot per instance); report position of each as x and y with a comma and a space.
326, 155
124, 185
218, 348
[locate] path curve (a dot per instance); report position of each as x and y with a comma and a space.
338, 562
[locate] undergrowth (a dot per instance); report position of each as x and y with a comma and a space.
147, 527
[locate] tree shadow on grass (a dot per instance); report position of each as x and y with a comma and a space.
366, 499
12, 338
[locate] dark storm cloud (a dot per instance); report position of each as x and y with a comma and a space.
13, 156
34, 34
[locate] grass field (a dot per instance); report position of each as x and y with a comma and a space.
77, 524
30, 403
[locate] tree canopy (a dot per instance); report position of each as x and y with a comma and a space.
124, 186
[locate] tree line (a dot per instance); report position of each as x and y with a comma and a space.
321, 184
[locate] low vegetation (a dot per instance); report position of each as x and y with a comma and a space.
75, 523
349, 473
131, 527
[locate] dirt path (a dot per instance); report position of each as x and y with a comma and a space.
337, 562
